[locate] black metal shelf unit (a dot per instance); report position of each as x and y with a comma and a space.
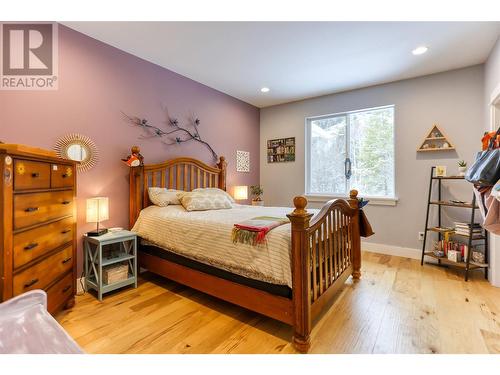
468, 264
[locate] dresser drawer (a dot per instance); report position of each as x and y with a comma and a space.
62, 176
58, 293
42, 274
31, 175
35, 208
33, 243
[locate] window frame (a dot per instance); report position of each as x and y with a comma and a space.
323, 197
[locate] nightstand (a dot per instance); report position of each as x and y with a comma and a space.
104, 251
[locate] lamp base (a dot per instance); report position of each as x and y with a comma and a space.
97, 233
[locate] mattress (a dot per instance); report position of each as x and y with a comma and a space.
205, 236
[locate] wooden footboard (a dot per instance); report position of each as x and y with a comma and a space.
325, 252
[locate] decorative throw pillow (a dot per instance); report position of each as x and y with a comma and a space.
163, 197
197, 201
215, 191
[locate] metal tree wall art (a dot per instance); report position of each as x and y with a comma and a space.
175, 133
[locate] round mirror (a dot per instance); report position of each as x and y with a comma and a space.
78, 148
77, 152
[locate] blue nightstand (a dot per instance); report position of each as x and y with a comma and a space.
99, 254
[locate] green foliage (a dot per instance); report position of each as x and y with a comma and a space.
371, 150
256, 191
372, 140
462, 163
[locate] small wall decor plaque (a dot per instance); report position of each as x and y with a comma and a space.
242, 161
281, 150
440, 171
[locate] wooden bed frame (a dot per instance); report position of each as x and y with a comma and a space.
333, 234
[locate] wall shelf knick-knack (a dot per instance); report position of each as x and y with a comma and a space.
435, 141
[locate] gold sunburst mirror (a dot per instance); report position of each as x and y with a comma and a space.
79, 148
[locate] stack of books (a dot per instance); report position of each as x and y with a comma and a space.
464, 229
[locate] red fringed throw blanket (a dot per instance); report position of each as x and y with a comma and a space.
253, 231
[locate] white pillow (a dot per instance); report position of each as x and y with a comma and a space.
215, 191
199, 201
163, 197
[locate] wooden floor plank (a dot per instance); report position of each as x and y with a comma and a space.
397, 307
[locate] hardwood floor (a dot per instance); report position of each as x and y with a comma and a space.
397, 307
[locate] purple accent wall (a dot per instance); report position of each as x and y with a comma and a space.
96, 83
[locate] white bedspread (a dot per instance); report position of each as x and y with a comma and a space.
205, 236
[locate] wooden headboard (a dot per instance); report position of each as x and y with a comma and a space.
180, 173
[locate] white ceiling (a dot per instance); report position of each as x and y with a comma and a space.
297, 60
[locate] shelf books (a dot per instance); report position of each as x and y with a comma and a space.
464, 229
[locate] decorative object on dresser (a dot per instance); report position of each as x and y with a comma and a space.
325, 250
186, 135
38, 225
469, 232
240, 193
79, 148
281, 150
435, 141
110, 261
242, 161
97, 211
257, 191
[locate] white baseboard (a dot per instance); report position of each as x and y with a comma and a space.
79, 282
405, 252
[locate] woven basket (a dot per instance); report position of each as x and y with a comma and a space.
115, 273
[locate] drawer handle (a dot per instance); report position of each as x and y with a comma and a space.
66, 288
30, 283
66, 260
66, 231
66, 202
31, 209
31, 246
35, 174
65, 175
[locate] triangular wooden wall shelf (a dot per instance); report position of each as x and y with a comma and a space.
435, 141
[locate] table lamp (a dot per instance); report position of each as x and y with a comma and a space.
97, 211
240, 192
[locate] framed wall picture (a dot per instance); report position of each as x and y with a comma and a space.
440, 171
281, 150
242, 161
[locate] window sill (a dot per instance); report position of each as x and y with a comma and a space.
374, 201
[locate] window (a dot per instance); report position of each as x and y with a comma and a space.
353, 150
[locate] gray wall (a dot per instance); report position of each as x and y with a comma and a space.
491, 79
454, 100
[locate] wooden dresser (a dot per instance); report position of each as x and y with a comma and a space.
37, 225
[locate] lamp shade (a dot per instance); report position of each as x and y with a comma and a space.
240, 192
97, 209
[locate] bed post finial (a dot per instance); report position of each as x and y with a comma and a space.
300, 203
356, 242
222, 164
353, 194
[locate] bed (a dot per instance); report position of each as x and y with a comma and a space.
292, 278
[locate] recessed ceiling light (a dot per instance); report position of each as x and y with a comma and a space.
264, 89
420, 50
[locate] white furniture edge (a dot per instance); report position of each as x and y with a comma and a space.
494, 253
